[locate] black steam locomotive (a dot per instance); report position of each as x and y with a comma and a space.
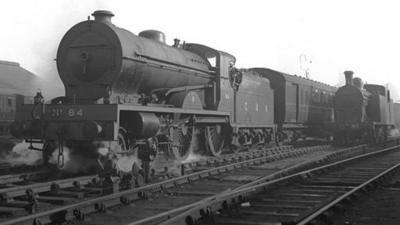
140, 93
131, 89
363, 113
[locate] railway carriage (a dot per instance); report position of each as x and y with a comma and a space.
303, 107
8, 109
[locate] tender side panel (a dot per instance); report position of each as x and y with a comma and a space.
255, 102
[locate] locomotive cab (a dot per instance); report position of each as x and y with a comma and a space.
380, 105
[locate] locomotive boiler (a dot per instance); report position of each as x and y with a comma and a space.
97, 60
128, 88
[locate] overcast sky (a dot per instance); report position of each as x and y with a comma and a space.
337, 35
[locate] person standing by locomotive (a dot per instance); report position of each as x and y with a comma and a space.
146, 153
109, 167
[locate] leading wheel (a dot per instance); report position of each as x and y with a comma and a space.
214, 137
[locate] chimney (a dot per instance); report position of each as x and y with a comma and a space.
349, 77
103, 16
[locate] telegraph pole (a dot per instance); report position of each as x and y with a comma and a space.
303, 59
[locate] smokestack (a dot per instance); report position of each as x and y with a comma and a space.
103, 16
349, 77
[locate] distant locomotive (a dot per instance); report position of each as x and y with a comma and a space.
363, 113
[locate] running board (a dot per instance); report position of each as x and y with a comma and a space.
210, 120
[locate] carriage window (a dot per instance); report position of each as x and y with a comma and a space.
323, 97
302, 96
9, 102
307, 97
315, 96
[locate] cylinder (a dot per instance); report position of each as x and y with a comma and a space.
140, 124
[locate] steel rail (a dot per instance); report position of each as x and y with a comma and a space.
45, 186
246, 155
11, 178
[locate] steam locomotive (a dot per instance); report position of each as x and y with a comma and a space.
139, 93
128, 89
363, 113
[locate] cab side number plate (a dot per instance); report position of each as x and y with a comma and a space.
66, 112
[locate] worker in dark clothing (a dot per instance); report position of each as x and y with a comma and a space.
32, 201
137, 178
147, 152
109, 167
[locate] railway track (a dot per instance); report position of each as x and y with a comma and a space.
82, 199
14, 185
378, 204
309, 197
12, 176
37, 178
72, 200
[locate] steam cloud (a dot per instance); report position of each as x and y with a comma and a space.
124, 161
20, 154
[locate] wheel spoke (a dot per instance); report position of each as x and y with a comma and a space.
214, 140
